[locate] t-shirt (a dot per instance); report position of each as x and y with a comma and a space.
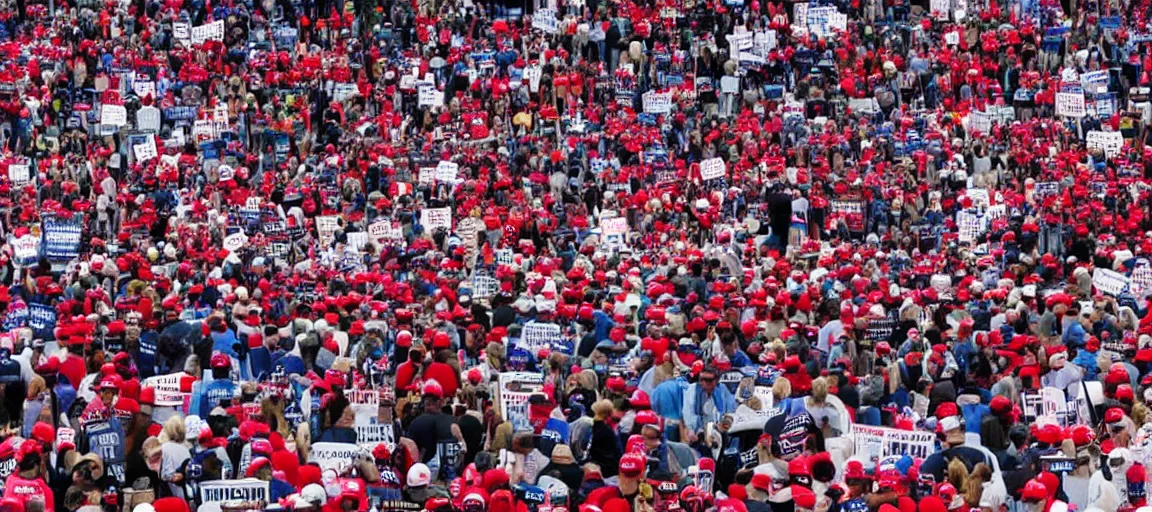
428, 430
26, 490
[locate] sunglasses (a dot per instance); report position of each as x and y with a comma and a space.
707, 379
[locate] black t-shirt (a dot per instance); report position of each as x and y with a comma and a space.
429, 429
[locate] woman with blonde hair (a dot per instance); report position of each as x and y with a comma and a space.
173, 453
604, 449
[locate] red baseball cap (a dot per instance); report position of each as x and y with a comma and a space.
632, 465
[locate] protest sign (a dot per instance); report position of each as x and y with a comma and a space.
971, 226
446, 171
880, 442
512, 394
800, 16
1046, 189
19, 173
545, 20
62, 237
182, 31
657, 102
235, 241
764, 42
144, 88
146, 151
344, 91
26, 251
167, 389
371, 435
1070, 104
1109, 142
429, 96
435, 218
215, 492
941, 9
533, 74
338, 456
614, 226
113, 115
384, 232
326, 228
540, 335
979, 121
208, 32
952, 38
713, 168
1108, 281
741, 41
1095, 81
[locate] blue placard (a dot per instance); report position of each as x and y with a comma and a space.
42, 321
61, 242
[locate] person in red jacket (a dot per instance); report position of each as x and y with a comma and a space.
440, 371
27, 483
408, 373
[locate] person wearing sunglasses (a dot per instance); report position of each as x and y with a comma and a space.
705, 402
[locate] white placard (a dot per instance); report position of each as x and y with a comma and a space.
614, 226
210, 32
146, 151
539, 335
215, 492
979, 196
867, 106
822, 21
512, 394
532, 74
19, 174
235, 241
1069, 75
713, 168
382, 232
446, 171
879, 442
148, 120
433, 218
429, 96
203, 128
1110, 142
1108, 281
343, 91
326, 228
167, 389
764, 42
144, 88
952, 38
226, 172
980, 122
800, 16
657, 102
26, 250
1070, 104
115, 115
338, 456
545, 20
941, 9
374, 434
742, 41
182, 31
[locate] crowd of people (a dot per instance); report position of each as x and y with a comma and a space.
575, 255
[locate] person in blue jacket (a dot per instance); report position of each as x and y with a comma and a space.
221, 388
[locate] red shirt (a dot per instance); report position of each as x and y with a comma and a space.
72, 366
25, 490
445, 375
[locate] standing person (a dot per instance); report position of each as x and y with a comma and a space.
174, 455
29, 482
704, 402
437, 436
604, 449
